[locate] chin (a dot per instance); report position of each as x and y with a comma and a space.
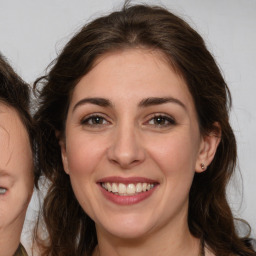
131, 234
127, 228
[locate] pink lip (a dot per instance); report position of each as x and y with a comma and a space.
127, 200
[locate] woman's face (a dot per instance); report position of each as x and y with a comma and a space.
16, 176
132, 144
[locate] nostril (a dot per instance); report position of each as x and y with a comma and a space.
125, 150
125, 163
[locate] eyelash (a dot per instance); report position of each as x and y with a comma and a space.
94, 117
160, 121
168, 121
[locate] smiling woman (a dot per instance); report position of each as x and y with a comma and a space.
16, 159
142, 148
136, 142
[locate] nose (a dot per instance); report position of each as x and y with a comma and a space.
126, 148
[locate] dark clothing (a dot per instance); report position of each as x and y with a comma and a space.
20, 251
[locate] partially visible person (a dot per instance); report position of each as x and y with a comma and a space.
136, 142
17, 135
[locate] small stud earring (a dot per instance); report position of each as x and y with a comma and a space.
202, 166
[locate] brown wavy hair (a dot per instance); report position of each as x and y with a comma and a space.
70, 230
14, 92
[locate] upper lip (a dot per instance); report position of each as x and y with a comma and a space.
124, 180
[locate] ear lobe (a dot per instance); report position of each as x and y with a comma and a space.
208, 148
62, 144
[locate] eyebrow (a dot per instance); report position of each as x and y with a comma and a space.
159, 100
152, 101
102, 102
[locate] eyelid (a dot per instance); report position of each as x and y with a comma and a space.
167, 117
84, 119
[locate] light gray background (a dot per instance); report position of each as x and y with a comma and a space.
32, 32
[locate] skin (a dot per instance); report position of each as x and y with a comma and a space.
16, 175
129, 142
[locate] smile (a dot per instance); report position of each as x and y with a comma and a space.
130, 189
127, 191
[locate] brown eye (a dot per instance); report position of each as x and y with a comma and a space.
94, 121
161, 121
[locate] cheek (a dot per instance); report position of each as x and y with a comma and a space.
14, 205
28, 184
25, 183
175, 157
174, 154
21, 169
26, 172
84, 156
84, 153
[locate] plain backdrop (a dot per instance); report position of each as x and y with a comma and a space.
33, 32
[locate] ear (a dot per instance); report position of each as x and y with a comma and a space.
208, 147
62, 144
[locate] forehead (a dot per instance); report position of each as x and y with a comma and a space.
11, 126
15, 147
8, 113
142, 70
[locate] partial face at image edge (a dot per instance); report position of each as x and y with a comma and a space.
16, 168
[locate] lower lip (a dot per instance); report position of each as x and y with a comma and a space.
127, 200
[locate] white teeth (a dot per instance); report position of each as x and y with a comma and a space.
114, 188
121, 188
139, 188
130, 189
3, 191
127, 189
109, 187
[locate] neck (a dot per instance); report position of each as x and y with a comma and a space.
10, 237
166, 240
